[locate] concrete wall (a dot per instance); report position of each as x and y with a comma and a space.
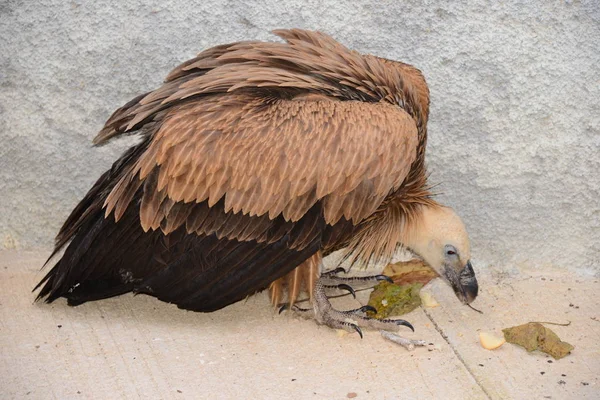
515, 123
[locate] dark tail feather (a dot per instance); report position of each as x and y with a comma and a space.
58, 278
81, 228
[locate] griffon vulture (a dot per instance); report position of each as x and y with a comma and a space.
256, 160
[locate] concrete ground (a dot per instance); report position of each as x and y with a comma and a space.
139, 347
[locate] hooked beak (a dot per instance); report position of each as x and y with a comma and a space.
464, 284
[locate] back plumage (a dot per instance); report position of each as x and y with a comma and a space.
255, 157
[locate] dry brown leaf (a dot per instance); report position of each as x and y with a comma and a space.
535, 336
408, 272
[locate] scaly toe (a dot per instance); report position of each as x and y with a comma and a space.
295, 308
362, 311
334, 271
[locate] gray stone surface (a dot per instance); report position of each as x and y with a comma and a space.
515, 123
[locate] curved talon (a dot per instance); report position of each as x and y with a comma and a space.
343, 286
284, 307
368, 308
405, 323
357, 329
384, 278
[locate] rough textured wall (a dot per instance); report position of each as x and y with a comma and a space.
515, 116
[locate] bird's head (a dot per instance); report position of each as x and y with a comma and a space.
439, 236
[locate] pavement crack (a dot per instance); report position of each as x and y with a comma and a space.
455, 350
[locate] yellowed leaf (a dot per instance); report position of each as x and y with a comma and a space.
391, 300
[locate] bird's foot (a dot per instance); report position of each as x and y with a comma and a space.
352, 320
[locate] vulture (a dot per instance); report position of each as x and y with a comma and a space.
256, 160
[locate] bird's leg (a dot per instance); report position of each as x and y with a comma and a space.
353, 320
350, 320
331, 280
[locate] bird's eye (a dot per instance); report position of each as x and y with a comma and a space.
450, 250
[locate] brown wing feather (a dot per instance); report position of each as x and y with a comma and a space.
263, 126
349, 154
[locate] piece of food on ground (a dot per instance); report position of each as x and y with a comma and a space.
491, 341
428, 300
